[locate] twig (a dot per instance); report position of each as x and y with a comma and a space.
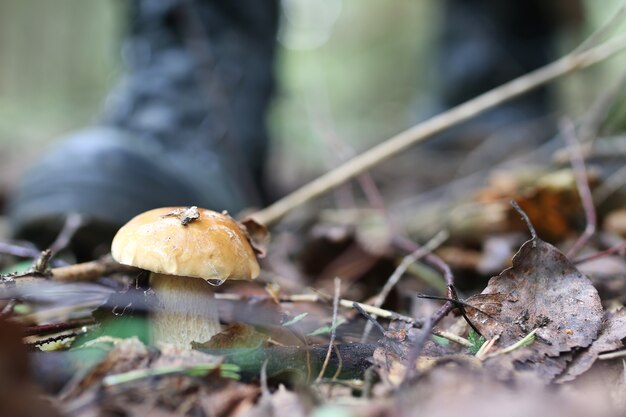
7, 310
486, 347
333, 329
452, 337
45, 258
343, 302
614, 249
89, 271
445, 269
377, 311
198, 370
593, 119
529, 225
525, 341
428, 327
18, 250
370, 318
568, 131
265, 390
56, 327
407, 261
416, 255
73, 222
457, 302
430, 258
57, 338
339, 362
56, 313
342, 150
40, 265
610, 24
614, 182
422, 337
85, 271
612, 355
569, 63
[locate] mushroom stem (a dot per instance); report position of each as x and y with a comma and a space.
185, 311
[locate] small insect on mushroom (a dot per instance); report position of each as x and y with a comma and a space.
188, 251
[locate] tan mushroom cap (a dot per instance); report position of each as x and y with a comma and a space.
212, 247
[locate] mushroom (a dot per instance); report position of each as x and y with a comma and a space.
188, 251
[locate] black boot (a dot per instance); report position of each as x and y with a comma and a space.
184, 127
483, 44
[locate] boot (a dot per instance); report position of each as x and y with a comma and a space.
185, 126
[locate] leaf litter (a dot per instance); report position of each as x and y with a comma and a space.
545, 344
542, 291
541, 322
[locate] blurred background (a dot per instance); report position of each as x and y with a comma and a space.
357, 70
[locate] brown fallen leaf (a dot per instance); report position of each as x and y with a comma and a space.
390, 357
457, 388
611, 335
235, 336
156, 386
258, 235
231, 400
544, 291
281, 403
126, 355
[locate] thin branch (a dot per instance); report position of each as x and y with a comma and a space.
431, 258
529, 225
569, 63
407, 261
428, 327
44, 329
457, 302
486, 347
377, 311
333, 329
610, 251
416, 255
89, 271
525, 341
19, 250
265, 391
422, 337
57, 338
343, 302
568, 131
73, 222
370, 318
612, 355
40, 266
610, 185
593, 119
610, 24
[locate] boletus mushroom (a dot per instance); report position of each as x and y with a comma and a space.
188, 250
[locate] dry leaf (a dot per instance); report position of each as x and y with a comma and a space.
258, 235
544, 291
281, 403
611, 335
235, 336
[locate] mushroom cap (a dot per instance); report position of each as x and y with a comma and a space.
212, 247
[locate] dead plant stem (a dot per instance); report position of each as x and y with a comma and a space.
333, 329
407, 261
571, 62
568, 131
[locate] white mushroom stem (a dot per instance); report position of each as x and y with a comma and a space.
186, 310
